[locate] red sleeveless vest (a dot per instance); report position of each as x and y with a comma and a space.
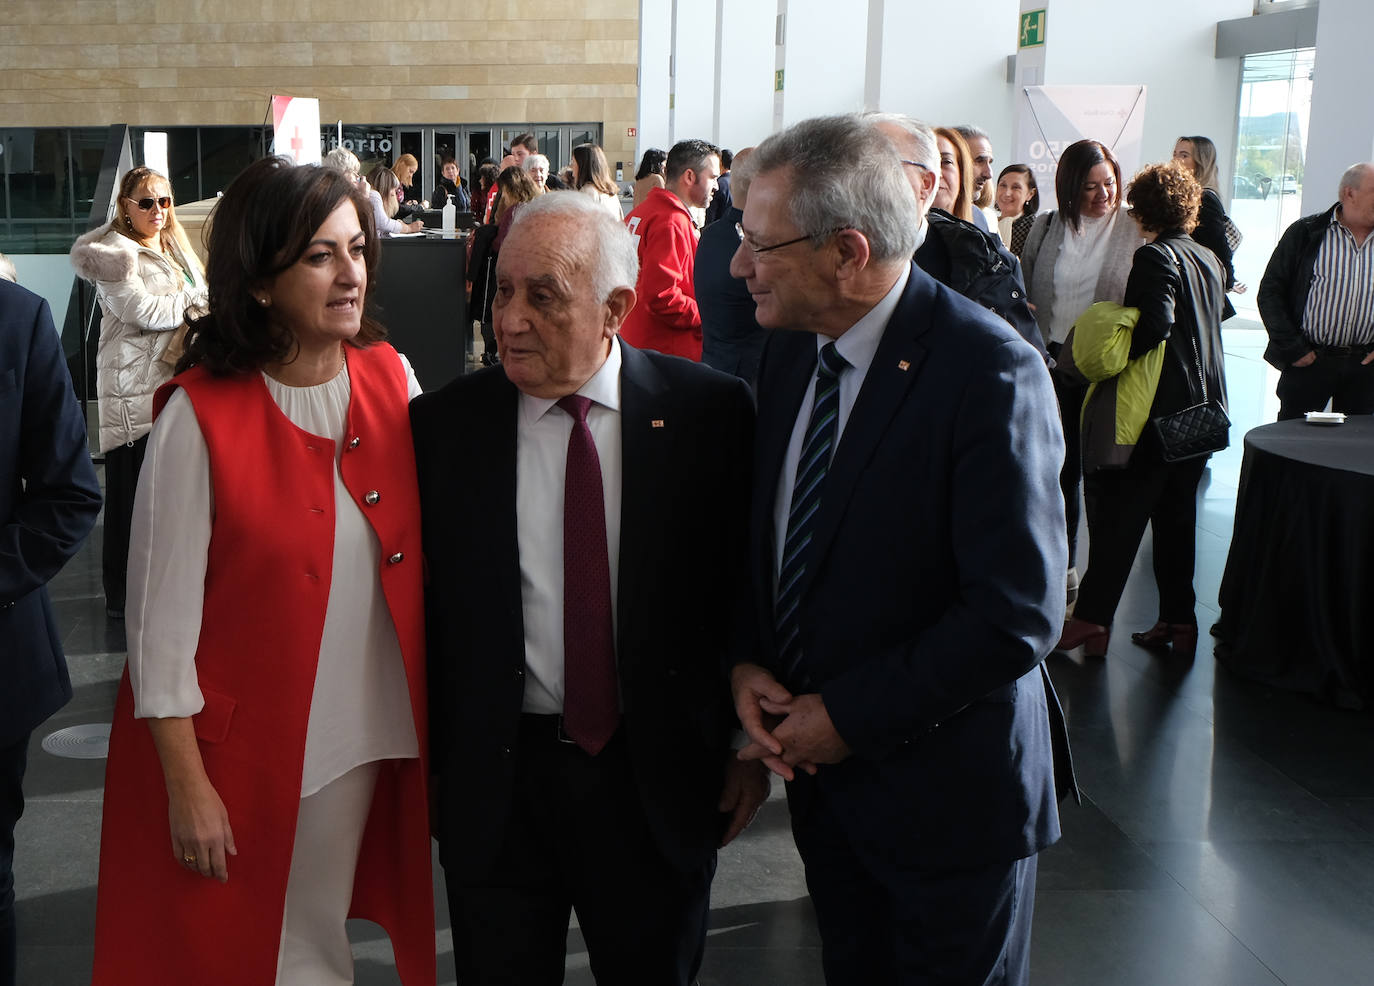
266, 590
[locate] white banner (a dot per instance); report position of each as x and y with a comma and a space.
296, 128
1050, 118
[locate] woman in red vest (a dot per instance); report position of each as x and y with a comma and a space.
268, 761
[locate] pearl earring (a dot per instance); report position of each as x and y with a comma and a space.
264, 301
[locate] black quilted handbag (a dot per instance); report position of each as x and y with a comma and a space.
1198, 430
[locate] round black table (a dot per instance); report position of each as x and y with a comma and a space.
1297, 597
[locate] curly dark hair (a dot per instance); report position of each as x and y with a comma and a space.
261, 227
1164, 197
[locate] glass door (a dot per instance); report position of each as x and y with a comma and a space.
412, 141
478, 144
552, 146
1271, 145
444, 144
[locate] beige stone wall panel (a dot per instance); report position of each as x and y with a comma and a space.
74, 82
58, 12
215, 62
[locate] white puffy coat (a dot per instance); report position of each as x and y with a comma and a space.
143, 298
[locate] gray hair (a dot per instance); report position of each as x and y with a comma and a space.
1354, 177
7, 271
968, 131
611, 255
927, 151
847, 175
343, 160
533, 159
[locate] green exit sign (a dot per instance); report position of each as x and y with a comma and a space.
1032, 29
777, 81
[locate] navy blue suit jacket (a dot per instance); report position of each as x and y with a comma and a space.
934, 583
731, 340
49, 498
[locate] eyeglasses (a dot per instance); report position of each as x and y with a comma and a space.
916, 164
756, 250
144, 205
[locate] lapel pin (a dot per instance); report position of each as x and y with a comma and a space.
903, 365
656, 423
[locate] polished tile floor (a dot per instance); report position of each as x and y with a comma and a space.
1226, 835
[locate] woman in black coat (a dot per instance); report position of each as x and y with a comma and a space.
1178, 286
450, 187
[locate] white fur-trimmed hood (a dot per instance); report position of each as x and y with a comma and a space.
105, 254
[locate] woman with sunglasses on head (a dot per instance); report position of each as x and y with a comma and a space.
147, 280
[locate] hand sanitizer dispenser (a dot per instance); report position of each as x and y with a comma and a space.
450, 218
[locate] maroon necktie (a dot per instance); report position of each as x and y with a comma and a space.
591, 708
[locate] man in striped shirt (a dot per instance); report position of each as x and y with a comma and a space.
1317, 302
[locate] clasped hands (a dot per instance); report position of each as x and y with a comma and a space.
787, 732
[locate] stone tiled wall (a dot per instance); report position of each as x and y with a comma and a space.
213, 62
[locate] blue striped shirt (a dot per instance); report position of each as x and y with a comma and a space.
1340, 304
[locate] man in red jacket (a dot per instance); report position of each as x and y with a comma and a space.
666, 317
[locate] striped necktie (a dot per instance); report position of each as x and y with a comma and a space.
817, 447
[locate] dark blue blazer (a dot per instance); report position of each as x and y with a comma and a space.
49, 498
731, 341
934, 585
721, 203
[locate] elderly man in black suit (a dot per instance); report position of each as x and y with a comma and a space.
585, 559
49, 498
906, 552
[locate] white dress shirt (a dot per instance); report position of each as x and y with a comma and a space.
1077, 271
541, 460
858, 345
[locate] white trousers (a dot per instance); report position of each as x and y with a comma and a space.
329, 831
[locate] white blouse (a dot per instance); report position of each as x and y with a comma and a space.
361, 710
611, 203
1077, 270
386, 226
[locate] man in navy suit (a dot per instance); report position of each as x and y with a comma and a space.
49, 498
905, 555
730, 338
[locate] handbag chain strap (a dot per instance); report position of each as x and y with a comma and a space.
1188, 291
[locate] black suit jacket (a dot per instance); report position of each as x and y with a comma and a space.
974, 263
934, 583
686, 434
49, 498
